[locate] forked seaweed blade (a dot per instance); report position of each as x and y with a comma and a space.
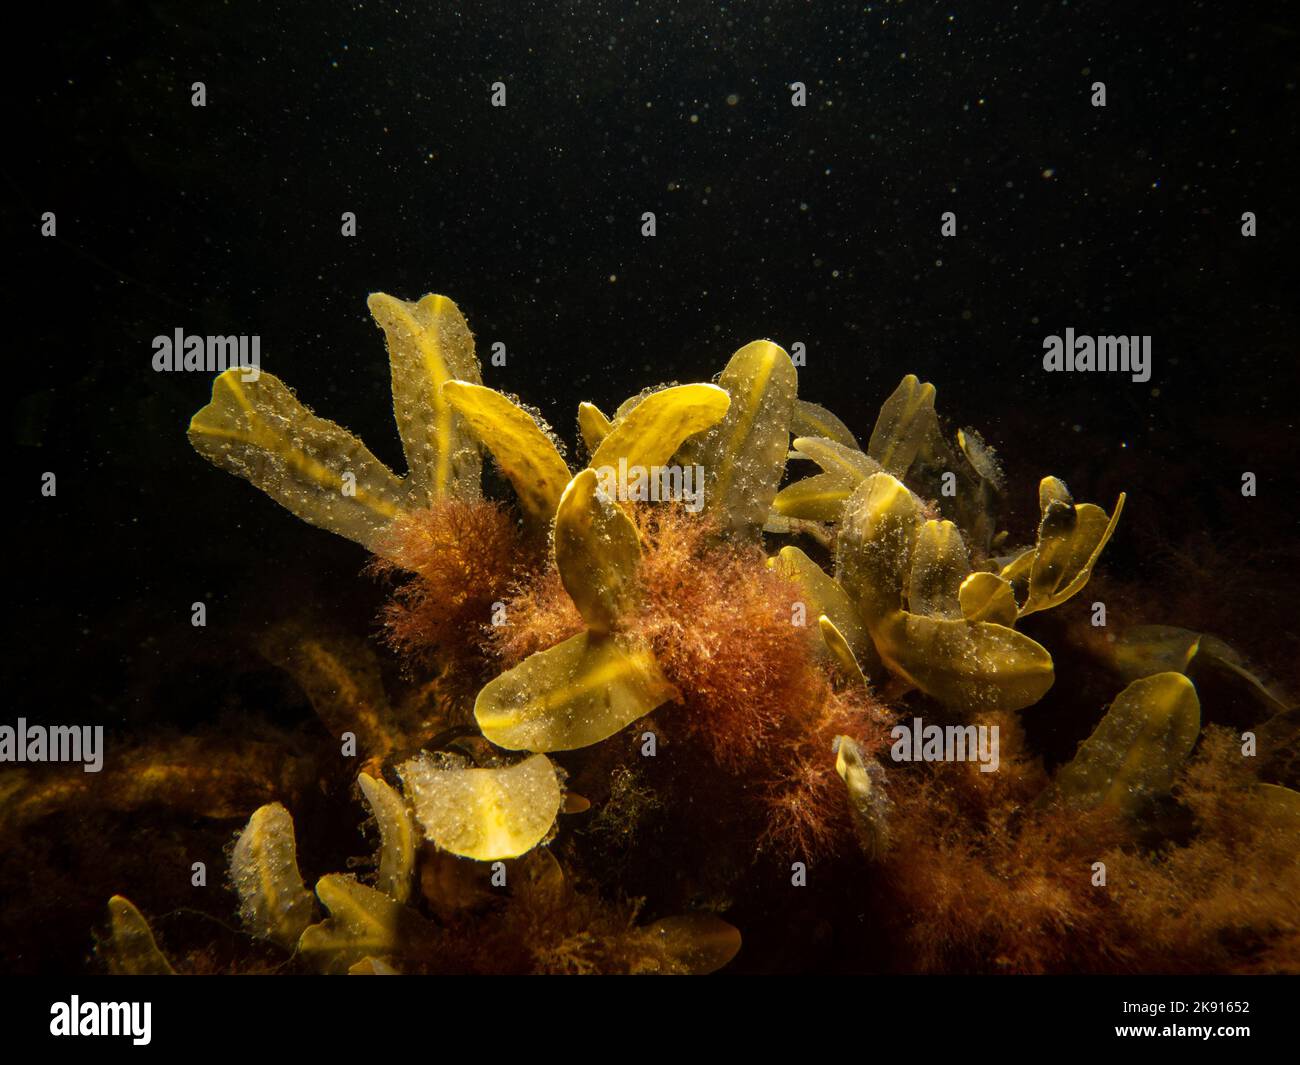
429, 344
314, 468
907, 418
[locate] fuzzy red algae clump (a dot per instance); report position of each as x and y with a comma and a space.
461, 557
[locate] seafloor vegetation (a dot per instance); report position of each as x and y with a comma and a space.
604, 697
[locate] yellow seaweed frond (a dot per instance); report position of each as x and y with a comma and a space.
874, 552
131, 948
484, 814
906, 419
572, 695
525, 453
825, 595
1138, 747
974, 666
429, 344
653, 430
812, 419
896, 566
744, 454
987, 597
274, 903
864, 780
940, 564
1141, 650
822, 496
696, 944
840, 651
314, 468
396, 836
593, 425
362, 923
596, 552
1070, 540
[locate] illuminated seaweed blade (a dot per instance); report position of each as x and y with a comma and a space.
274, 904
904, 598
257, 429
906, 576
131, 948
652, 431
521, 447
744, 454
596, 553
485, 814
572, 695
429, 344
312, 467
1136, 749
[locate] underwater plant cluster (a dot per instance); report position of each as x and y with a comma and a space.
729, 690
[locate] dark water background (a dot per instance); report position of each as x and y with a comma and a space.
818, 225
